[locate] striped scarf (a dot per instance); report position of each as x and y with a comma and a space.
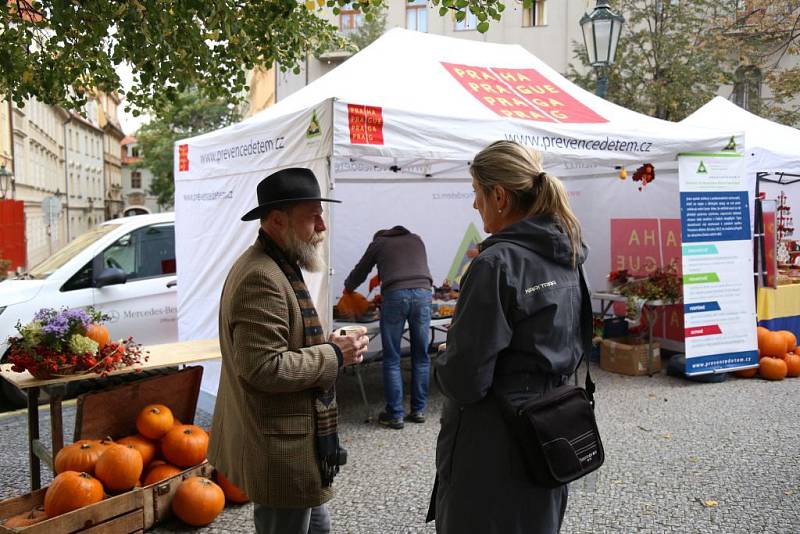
325, 404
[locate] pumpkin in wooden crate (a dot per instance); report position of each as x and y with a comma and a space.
26, 519
119, 468
792, 364
71, 490
772, 368
99, 334
185, 445
146, 447
154, 420
161, 472
232, 493
198, 501
80, 456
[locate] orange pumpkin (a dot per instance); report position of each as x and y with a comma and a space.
80, 456
26, 519
185, 445
154, 421
760, 333
792, 364
772, 368
198, 501
746, 373
774, 345
99, 333
161, 472
71, 490
145, 447
119, 467
790, 339
232, 493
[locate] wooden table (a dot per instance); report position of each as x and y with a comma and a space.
160, 356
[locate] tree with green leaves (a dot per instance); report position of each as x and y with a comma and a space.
189, 115
61, 51
370, 30
673, 56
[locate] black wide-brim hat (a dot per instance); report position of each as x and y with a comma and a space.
284, 187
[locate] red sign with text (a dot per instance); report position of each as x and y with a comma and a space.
183, 158
521, 94
366, 124
641, 246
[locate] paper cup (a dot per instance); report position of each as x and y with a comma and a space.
352, 330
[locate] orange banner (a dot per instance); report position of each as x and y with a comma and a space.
521, 94
366, 124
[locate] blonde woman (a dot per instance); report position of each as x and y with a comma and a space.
516, 328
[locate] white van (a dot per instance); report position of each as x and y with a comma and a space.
124, 267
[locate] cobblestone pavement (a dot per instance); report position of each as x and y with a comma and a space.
681, 457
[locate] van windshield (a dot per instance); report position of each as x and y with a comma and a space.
72, 249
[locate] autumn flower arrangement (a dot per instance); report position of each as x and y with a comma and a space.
69, 341
663, 284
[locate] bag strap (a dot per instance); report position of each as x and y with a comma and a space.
586, 334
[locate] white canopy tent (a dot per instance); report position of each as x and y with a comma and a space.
391, 132
770, 148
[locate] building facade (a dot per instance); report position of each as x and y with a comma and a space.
84, 168
112, 154
136, 181
39, 177
548, 30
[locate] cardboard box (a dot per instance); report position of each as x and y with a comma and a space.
628, 356
121, 514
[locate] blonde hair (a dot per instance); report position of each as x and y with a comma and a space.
531, 190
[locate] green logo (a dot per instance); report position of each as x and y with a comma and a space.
466, 251
731, 144
701, 169
313, 129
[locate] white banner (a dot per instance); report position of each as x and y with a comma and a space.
718, 293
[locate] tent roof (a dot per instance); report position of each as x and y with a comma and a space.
775, 147
446, 98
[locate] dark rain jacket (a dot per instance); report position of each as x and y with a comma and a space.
516, 326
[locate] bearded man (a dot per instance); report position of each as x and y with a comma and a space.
274, 429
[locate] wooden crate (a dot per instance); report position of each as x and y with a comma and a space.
121, 514
158, 496
112, 412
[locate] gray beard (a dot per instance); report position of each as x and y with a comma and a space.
307, 254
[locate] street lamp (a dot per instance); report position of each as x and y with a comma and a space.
601, 31
6, 180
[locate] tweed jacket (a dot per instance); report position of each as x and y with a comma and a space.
263, 433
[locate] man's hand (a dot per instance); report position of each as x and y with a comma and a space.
353, 347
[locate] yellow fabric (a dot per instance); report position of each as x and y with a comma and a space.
781, 302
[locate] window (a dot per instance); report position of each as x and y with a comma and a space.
143, 253
470, 22
135, 152
417, 15
136, 180
747, 88
349, 20
534, 15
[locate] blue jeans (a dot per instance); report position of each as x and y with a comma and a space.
397, 307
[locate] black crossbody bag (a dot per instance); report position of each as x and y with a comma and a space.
557, 432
